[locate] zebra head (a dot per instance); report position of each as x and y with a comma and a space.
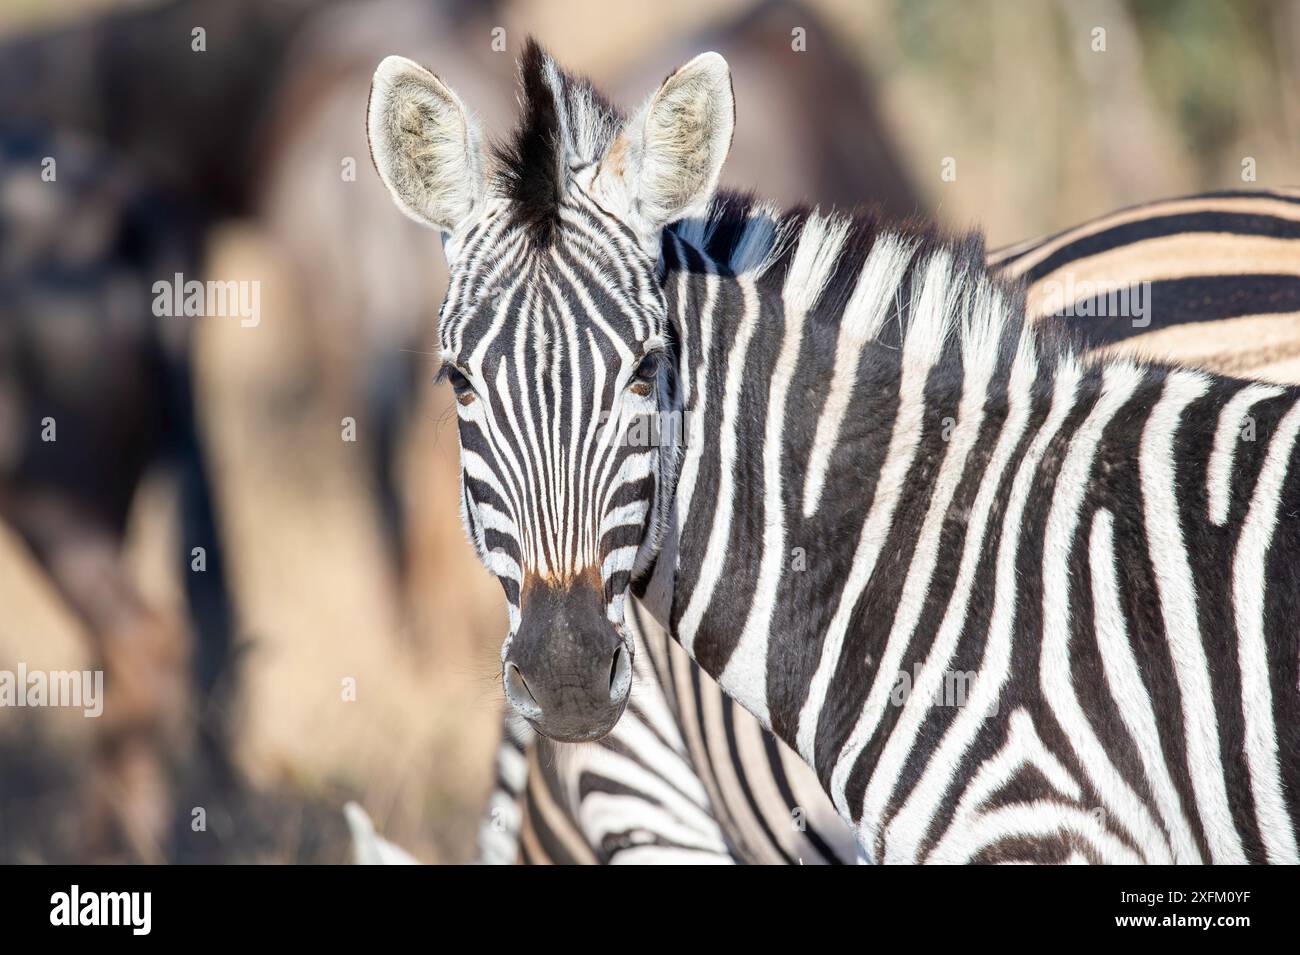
556, 339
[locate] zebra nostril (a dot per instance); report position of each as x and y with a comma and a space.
620, 675
519, 695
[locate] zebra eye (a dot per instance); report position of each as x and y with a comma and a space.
643, 378
460, 384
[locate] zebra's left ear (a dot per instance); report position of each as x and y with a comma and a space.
666, 162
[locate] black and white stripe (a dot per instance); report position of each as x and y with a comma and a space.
1218, 275
632, 798
1048, 522
1199, 273
966, 494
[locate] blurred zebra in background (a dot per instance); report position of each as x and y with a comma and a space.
1217, 277
1217, 281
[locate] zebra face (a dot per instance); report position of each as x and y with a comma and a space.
558, 384
555, 338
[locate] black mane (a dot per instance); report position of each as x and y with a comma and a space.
532, 166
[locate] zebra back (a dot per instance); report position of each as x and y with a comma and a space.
1210, 280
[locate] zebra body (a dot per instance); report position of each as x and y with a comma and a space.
1088, 539
633, 798
1095, 543
1213, 268
1217, 277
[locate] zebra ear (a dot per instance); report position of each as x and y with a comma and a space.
425, 145
666, 163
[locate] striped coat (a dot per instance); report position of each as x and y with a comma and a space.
1222, 283
1009, 602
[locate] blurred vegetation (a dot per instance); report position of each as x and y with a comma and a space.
1047, 132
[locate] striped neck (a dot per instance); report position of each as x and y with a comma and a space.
834, 376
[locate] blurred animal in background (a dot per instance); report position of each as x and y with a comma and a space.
114, 173
94, 392
161, 85
292, 73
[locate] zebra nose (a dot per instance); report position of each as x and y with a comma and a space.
571, 701
620, 676
568, 670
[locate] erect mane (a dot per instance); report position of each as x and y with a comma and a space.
745, 236
564, 123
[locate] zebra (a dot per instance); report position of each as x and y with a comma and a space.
764, 802
1222, 288
1217, 274
634, 797
974, 514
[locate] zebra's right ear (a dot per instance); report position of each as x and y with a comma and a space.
425, 145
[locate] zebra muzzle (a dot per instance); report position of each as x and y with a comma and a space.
569, 670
